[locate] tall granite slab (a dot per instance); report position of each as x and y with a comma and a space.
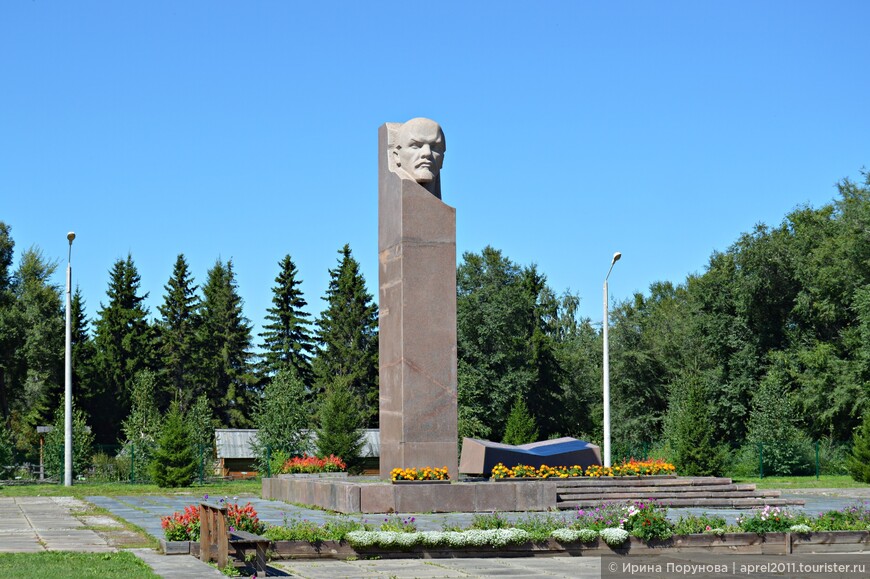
417, 336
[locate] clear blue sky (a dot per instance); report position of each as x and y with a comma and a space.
248, 130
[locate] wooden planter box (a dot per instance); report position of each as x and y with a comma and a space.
729, 543
175, 547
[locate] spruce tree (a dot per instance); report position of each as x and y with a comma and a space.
10, 326
200, 424
174, 463
178, 328
773, 427
688, 427
347, 336
859, 461
287, 341
40, 379
283, 419
84, 380
521, 427
340, 423
123, 340
225, 336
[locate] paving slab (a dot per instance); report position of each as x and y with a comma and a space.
178, 567
558, 567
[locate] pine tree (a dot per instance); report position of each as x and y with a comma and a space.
174, 463
283, 418
226, 342
123, 341
340, 423
178, 328
859, 462
521, 427
347, 336
287, 341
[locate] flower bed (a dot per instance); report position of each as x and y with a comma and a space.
313, 465
625, 528
630, 468
427, 473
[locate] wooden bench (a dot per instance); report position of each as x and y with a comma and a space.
215, 539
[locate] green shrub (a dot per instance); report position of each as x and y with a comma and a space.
859, 462
6, 467
493, 520
855, 517
648, 521
540, 526
83, 444
696, 524
521, 427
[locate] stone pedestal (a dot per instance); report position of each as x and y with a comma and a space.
417, 257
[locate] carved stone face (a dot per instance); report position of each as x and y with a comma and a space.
420, 149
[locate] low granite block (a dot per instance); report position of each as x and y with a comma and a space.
434, 498
377, 498
490, 496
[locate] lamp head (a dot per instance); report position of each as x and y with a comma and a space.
616, 257
70, 236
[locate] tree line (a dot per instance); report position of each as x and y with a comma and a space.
770, 344
197, 352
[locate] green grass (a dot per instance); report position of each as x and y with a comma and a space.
233, 488
50, 564
803, 482
143, 539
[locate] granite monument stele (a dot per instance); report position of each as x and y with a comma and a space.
417, 292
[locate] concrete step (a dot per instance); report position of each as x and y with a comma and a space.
734, 503
651, 489
642, 481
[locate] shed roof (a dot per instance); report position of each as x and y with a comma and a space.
236, 442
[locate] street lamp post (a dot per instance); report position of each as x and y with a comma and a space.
605, 370
67, 391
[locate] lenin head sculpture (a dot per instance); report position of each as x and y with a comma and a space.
418, 153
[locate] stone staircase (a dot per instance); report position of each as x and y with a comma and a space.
672, 491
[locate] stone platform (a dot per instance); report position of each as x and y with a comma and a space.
412, 497
372, 496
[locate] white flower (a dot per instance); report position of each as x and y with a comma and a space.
800, 529
614, 536
571, 535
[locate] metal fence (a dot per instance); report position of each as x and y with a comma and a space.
103, 463
760, 459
